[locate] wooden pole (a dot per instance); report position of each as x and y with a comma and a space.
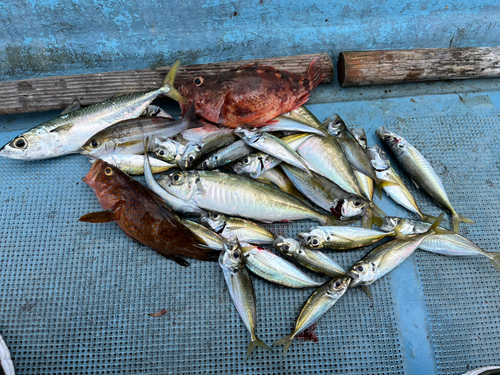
44, 94
385, 67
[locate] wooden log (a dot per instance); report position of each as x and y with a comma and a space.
44, 94
385, 67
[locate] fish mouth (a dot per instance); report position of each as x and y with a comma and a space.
354, 278
90, 178
336, 208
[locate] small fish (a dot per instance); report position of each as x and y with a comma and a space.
325, 157
384, 258
240, 287
303, 115
191, 154
316, 306
142, 215
421, 172
445, 244
236, 195
350, 146
312, 259
67, 133
285, 124
271, 145
212, 239
252, 94
6, 365
245, 230
342, 238
487, 370
275, 269
171, 151
176, 204
365, 183
226, 155
134, 164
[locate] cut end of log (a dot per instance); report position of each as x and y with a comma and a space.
341, 69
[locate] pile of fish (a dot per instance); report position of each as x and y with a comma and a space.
246, 150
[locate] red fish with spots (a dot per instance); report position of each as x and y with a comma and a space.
142, 215
249, 95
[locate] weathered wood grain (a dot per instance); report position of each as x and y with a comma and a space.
44, 94
386, 67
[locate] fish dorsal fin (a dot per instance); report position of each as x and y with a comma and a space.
62, 128
75, 105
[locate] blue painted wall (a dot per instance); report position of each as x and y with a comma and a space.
54, 37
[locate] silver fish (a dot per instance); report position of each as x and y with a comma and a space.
245, 230
67, 133
6, 365
342, 238
421, 172
275, 269
487, 370
316, 306
312, 259
126, 137
303, 115
240, 287
271, 145
325, 157
445, 244
213, 240
238, 196
169, 150
191, 154
365, 183
134, 164
350, 146
176, 204
286, 124
384, 258
279, 178
226, 155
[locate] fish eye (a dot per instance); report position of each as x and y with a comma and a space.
204, 164
362, 139
236, 255
19, 142
191, 158
337, 284
161, 152
94, 143
315, 242
246, 160
286, 247
360, 268
108, 171
198, 81
401, 146
216, 216
252, 128
177, 177
357, 203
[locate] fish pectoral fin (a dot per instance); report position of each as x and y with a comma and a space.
62, 128
367, 291
177, 259
416, 185
98, 217
75, 105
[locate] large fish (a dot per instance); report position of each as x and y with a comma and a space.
316, 306
249, 95
239, 196
240, 287
421, 172
67, 133
142, 215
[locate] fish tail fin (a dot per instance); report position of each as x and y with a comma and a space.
332, 220
434, 228
256, 342
286, 341
429, 218
314, 73
190, 118
367, 219
463, 219
167, 85
495, 260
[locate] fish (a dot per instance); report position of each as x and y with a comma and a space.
325, 157
236, 195
258, 163
386, 257
246, 230
67, 133
352, 149
303, 115
365, 183
240, 287
277, 177
445, 244
316, 306
421, 172
226, 155
211, 239
6, 364
126, 137
343, 237
169, 150
249, 95
142, 215
285, 124
275, 269
134, 164
271, 145
392, 184
176, 204
312, 259
487, 370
